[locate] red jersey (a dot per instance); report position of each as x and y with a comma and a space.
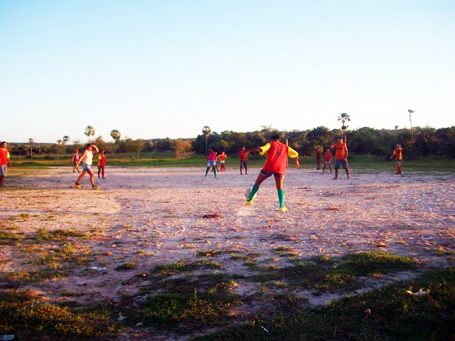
3, 156
223, 157
102, 159
328, 156
277, 156
212, 156
243, 156
340, 150
399, 154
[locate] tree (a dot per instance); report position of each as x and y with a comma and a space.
31, 142
89, 131
66, 138
344, 118
115, 134
206, 131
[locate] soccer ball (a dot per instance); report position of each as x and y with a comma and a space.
247, 193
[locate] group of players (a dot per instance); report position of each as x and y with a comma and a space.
276, 163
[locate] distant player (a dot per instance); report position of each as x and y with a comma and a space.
87, 160
4, 161
74, 160
327, 160
102, 160
341, 157
222, 158
276, 163
398, 153
243, 157
211, 162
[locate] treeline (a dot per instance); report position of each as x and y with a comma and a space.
379, 143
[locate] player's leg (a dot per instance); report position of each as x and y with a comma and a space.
260, 179
337, 167
279, 182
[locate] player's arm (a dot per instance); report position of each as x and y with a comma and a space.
347, 153
393, 154
96, 149
294, 155
81, 158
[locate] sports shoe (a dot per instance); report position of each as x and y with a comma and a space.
249, 203
95, 187
283, 209
78, 186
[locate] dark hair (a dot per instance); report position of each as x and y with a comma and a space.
275, 137
88, 145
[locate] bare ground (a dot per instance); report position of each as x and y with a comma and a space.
150, 216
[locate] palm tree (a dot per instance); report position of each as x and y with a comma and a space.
89, 131
31, 142
115, 134
344, 118
206, 131
66, 138
410, 111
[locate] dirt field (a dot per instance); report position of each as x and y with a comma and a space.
148, 217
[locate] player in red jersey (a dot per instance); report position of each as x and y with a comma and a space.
102, 160
341, 157
327, 160
222, 158
398, 153
243, 157
4, 161
276, 163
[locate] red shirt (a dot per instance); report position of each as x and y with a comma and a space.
223, 157
277, 156
212, 156
3, 156
399, 153
103, 160
243, 156
340, 150
328, 157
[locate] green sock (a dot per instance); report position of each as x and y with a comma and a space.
214, 171
207, 171
253, 192
281, 197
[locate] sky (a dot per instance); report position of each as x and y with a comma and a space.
156, 69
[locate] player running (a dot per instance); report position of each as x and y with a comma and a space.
87, 159
276, 163
398, 152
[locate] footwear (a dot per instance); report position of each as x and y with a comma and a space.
249, 203
283, 209
104, 178
78, 186
95, 187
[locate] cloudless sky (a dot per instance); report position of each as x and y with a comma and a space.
155, 69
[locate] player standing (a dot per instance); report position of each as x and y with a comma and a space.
276, 163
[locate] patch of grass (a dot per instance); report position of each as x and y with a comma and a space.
282, 248
368, 263
28, 318
213, 252
393, 314
43, 234
125, 267
7, 238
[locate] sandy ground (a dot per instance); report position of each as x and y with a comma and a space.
154, 216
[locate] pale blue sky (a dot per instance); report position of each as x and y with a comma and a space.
167, 68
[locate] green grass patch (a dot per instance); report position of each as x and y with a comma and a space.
26, 316
8, 238
389, 313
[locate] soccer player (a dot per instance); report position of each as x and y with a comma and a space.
318, 158
211, 162
87, 160
341, 157
398, 152
223, 157
243, 157
327, 160
277, 156
101, 164
75, 159
4, 161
